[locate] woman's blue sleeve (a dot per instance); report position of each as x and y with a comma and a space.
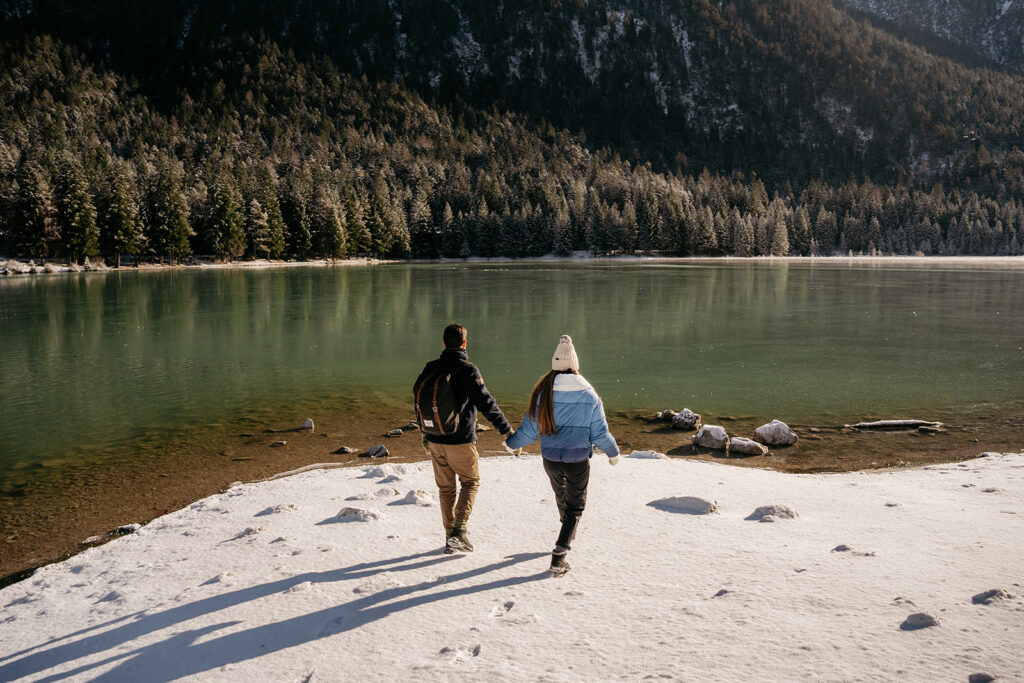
599, 434
526, 434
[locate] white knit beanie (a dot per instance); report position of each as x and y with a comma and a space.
565, 355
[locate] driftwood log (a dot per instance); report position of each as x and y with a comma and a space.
895, 424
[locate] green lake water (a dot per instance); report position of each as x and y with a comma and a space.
93, 361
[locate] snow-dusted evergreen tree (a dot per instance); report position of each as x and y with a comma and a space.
359, 241
76, 213
227, 235
120, 223
742, 234
167, 212
326, 226
268, 201
35, 231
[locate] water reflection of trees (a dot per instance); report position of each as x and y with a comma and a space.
94, 357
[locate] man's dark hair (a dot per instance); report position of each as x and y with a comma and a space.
454, 335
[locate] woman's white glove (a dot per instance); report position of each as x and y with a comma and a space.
614, 460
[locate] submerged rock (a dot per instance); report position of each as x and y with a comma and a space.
776, 433
278, 444
410, 426
393, 433
686, 419
378, 451
741, 446
712, 436
344, 450
667, 415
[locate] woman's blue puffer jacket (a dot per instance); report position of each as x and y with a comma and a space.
580, 419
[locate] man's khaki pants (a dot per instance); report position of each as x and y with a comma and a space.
450, 460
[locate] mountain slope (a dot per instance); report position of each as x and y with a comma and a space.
990, 29
793, 92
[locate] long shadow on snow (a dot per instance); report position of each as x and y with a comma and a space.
181, 656
178, 655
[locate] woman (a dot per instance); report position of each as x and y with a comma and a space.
566, 413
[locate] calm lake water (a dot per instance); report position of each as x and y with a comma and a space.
95, 360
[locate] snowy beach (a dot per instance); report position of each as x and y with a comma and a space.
338, 575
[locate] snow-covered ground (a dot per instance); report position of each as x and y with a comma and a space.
270, 582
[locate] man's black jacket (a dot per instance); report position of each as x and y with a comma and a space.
471, 393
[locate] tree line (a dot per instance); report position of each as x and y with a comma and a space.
265, 155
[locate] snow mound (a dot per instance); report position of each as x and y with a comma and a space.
775, 511
990, 596
275, 510
415, 497
918, 620
688, 505
375, 495
225, 578
649, 455
348, 514
390, 469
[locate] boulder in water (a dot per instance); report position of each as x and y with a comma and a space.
308, 424
776, 433
712, 436
686, 419
741, 446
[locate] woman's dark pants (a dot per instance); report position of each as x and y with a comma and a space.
569, 482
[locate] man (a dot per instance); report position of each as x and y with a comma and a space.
455, 453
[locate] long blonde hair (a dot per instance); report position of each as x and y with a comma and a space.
541, 409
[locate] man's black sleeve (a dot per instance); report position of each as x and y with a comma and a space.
484, 402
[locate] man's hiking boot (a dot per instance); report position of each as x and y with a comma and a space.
558, 564
458, 541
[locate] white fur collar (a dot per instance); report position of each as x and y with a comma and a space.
570, 382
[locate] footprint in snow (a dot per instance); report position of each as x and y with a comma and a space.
248, 532
377, 583
843, 548
461, 653
335, 625
501, 610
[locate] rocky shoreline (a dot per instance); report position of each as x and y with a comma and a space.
15, 267
48, 517
18, 266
